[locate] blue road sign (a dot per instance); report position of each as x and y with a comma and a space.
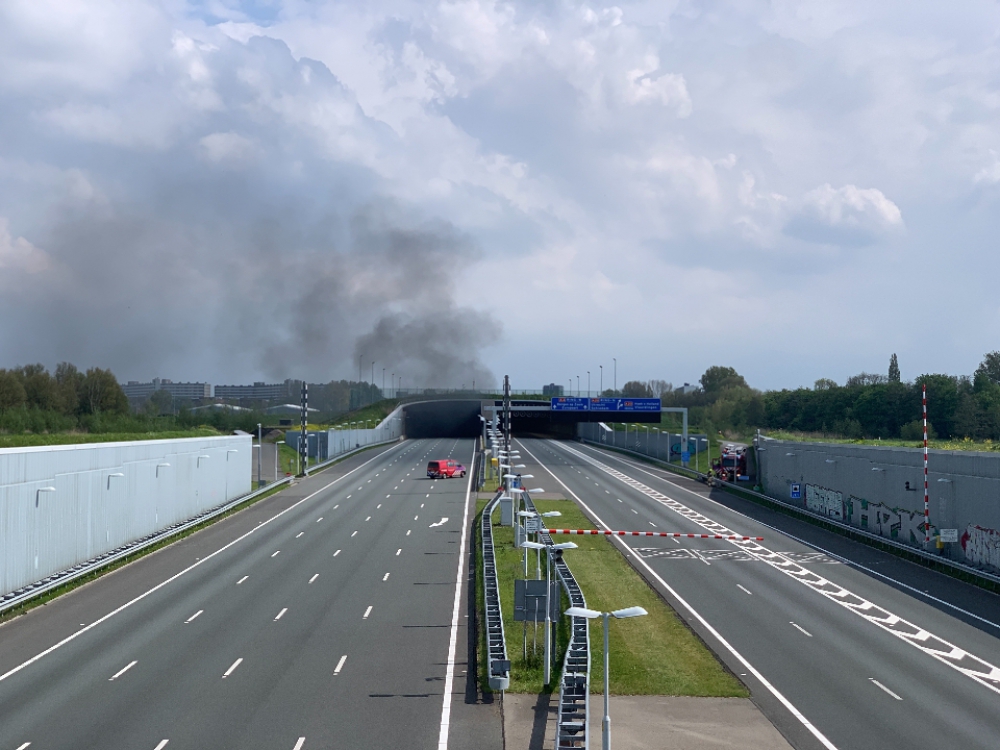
686, 456
569, 404
795, 491
624, 404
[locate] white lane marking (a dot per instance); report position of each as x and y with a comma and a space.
367, 612
385, 577
354, 534
319, 519
700, 556
449, 675
163, 744
741, 587
338, 504
299, 534
314, 578
697, 615
122, 671
427, 495
275, 554
398, 551
302, 740
368, 519
232, 668
979, 670
416, 517
242, 580
880, 685
28, 744
800, 628
388, 496
193, 617
378, 506
408, 531
442, 522
421, 505
280, 614
652, 524
340, 664
618, 499
634, 511
396, 487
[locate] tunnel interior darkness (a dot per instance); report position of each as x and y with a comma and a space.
445, 418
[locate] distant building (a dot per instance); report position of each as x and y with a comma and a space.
219, 407
552, 390
686, 388
180, 391
259, 391
288, 409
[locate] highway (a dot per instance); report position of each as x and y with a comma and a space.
331, 615
841, 649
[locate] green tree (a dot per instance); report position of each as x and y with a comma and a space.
893, 369
162, 402
989, 369
39, 387
636, 389
68, 381
824, 384
12, 395
717, 379
100, 393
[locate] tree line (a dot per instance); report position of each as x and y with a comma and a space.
867, 405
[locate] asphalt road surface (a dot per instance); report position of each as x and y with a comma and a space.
332, 615
842, 646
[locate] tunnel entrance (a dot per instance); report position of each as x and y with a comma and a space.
444, 418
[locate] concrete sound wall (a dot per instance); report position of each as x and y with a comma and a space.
866, 487
63, 505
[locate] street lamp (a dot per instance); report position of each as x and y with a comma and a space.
588, 383
600, 390
549, 549
538, 558
619, 614
578, 386
616, 375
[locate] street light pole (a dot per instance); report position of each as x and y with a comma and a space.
601, 389
578, 386
616, 375
588, 383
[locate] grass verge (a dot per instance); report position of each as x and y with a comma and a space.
653, 655
30, 440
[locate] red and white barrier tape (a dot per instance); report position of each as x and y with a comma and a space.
595, 532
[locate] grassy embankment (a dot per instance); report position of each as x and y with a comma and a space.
76, 438
653, 655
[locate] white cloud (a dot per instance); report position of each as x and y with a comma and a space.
990, 173
17, 254
228, 147
845, 215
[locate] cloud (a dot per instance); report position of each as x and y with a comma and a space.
847, 215
990, 173
227, 147
17, 254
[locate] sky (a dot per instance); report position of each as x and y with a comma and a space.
234, 191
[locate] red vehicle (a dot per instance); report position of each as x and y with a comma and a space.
444, 469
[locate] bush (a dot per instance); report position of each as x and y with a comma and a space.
915, 430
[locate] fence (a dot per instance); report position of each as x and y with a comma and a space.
326, 444
61, 506
880, 491
497, 662
654, 443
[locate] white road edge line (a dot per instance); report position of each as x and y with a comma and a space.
694, 613
880, 685
449, 676
232, 668
123, 670
340, 664
177, 575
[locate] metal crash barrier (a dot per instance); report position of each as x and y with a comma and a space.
496, 645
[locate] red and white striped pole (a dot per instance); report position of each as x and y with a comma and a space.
927, 502
601, 532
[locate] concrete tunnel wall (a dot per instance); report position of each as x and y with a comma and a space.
444, 418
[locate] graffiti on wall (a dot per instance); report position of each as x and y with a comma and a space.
982, 546
894, 523
826, 502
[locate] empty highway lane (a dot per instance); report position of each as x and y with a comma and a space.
332, 615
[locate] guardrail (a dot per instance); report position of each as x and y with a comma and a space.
572, 722
497, 661
38, 588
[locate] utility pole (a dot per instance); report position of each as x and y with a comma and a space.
260, 451
303, 441
616, 375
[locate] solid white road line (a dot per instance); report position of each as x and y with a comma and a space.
193, 617
280, 614
800, 629
314, 578
442, 522
242, 580
319, 519
122, 671
276, 553
163, 744
336, 553
879, 684
232, 668
28, 744
697, 615
340, 664
299, 744
742, 588
299, 534
354, 534
367, 612
385, 577
449, 675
